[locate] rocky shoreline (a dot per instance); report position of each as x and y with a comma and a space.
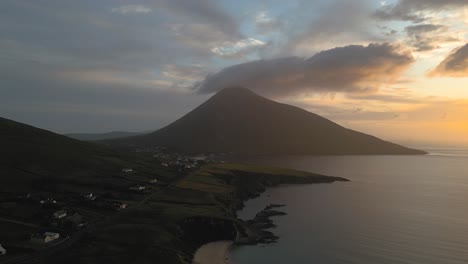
260, 224
256, 230
258, 233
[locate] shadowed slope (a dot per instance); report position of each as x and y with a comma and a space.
240, 121
29, 154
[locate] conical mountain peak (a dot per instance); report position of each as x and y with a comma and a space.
238, 120
235, 92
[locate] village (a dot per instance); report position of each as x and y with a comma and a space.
35, 223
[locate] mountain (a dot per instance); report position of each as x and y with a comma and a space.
102, 136
239, 121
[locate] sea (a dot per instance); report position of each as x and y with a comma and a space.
395, 210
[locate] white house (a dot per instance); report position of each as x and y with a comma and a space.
119, 206
90, 196
60, 214
2, 250
50, 236
46, 237
138, 188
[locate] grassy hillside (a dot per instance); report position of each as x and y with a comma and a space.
34, 158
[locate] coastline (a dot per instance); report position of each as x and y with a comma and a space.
247, 186
213, 253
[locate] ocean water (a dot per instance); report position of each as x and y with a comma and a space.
396, 209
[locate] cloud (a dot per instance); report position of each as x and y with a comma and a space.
385, 98
202, 12
425, 37
454, 65
131, 9
345, 69
88, 101
415, 10
201, 38
207, 40
334, 22
265, 24
184, 72
239, 48
89, 55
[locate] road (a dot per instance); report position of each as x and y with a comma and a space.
18, 222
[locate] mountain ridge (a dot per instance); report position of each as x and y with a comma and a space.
236, 120
102, 136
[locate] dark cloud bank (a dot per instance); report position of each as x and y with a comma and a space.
424, 37
344, 69
409, 10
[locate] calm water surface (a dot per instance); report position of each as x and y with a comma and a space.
397, 209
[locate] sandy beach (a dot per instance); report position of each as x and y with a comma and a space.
213, 253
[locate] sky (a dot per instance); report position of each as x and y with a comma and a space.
395, 69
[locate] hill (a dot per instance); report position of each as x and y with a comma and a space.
31, 157
102, 136
239, 121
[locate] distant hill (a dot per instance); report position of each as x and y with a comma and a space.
239, 121
102, 136
31, 157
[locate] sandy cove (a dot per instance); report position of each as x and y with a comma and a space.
213, 253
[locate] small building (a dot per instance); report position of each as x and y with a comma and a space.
119, 206
153, 181
2, 250
60, 214
127, 170
81, 225
90, 196
138, 188
48, 201
44, 238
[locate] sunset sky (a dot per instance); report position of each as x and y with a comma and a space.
394, 69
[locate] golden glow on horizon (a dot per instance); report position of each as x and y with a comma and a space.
402, 115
